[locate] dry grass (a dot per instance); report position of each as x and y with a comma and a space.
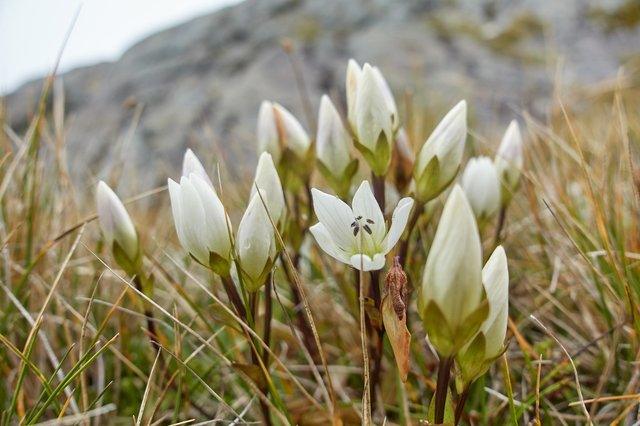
73, 341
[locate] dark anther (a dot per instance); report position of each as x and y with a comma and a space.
359, 217
370, 221
355, 230
353, 224
366, 228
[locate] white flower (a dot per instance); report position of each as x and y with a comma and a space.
440, 157
117, 227
509, 161
191, 164
201, 222
268, 181
332, 139
482, 187
255, 244
357, 236
451, 292
267, 133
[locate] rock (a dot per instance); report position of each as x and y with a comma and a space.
200, 84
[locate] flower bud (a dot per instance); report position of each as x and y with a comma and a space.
268, 181
191, 164
476, 358
388, 97
450, 301
509, 161
267, 133
118, 229
332, 148
373, 122
482, 188
256, 244
291, 134
440, 156
202, 224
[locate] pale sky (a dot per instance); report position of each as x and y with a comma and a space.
32, 32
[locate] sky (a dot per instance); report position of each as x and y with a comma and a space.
32, 32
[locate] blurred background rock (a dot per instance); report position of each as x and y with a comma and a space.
200, 84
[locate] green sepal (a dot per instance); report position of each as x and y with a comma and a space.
446, 340
427, 181
255, 285
294, 170
380, 159
219, 264
340, 183
471, 360
449, 413
130, 266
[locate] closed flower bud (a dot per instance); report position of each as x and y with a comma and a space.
201, 222
191, 164
256, 244
388, 97
476, 358
268, 181
267, 133
450, 301
332, 148
373, 122
482, 187
440, 157
118, 229
509, 161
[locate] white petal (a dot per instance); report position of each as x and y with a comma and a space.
398, 223
354, 72
115, 221
193, 221
191, 165
267, 180
365, 205
255, 242
297, 139
388, 95
337, 217
324, 240
176, 209
267, 133
332, 139
495, 277
452, 274
217, 226
482, 186
372, 116
446, 142
365, 263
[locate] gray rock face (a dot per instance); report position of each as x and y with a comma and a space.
200, 84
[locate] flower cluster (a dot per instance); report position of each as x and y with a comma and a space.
463, 305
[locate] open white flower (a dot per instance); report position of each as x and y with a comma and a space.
357, 235
117, 227
201, 222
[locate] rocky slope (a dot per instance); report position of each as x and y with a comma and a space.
200, 84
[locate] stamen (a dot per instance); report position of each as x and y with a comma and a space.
366, 228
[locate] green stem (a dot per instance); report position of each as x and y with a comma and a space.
378, 190
403, 250
444, 374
